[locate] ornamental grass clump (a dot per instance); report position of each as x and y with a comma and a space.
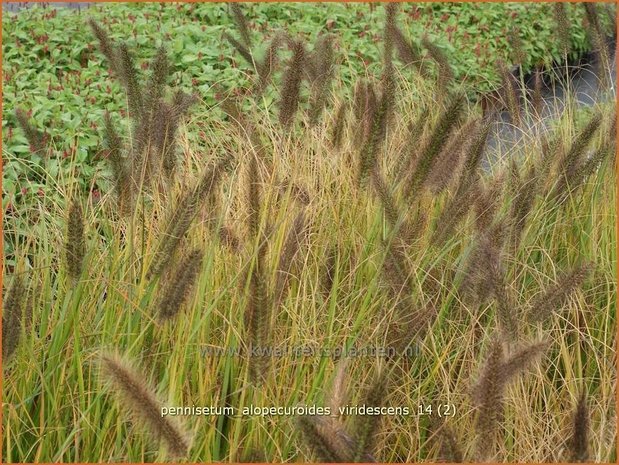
152, 148
365, 221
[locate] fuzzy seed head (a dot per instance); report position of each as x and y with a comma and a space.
291, 88
180, 283
136, 395
75, 245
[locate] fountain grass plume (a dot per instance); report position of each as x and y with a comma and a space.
412, 322
119, 165
128, 74
384, 194
450, 159
326, 436
364, 106
488, 392
445, 72
562, 27
592, 164
378, 122
488, 398
475, 153
510, 93
578, 442
182, 217
160, 70
455, 210
366, 426
316, 441
338, 394
524, 192
241, 23
252, 195
243, 46
371, 100
448, 121
488, 202
556, 296
242, 49
506, 309
259, 304
368, 154
339, 123
359, 99
166, 122
157, 136
396, 272
484, 268
388, 85
181, 102
572, 160
149, 126
598, 39
391, 10
376, 115
552, 154
229, 239
155, 121
37, 140
13, 309
75, 244
266, 67
180, 282
468, 188
520, 360
291, 87
164, 127
328, 440
106, 45
258, 318
136, 395
320, 66
450, 450
416, 128
288, 265
408, 52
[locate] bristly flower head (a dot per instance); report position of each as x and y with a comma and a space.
75, 243
136, 395
180, 282
579, 440
291, 88
12, 317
